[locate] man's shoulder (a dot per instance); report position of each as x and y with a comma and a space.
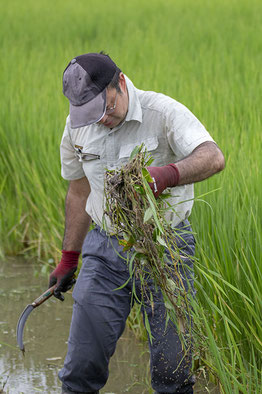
156, 101
152, 100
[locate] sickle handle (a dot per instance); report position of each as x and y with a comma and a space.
42, 298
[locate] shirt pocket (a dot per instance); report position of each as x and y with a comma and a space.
86, 153
90, 158
150, 144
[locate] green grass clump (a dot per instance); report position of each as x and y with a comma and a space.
206, 55
139, 223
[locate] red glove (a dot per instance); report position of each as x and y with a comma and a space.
63, 275
166, 176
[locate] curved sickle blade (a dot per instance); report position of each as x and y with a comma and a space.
21, 325
28, 309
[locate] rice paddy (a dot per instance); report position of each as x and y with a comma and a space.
204, 54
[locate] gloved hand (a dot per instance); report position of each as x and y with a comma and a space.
166, 176
63, 275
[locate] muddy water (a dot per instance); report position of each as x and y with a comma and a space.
45, 335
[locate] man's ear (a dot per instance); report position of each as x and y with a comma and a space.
122, 82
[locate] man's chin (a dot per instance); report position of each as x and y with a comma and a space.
109, 125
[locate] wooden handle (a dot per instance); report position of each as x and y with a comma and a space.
42, 298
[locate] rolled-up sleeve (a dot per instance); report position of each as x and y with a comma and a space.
184, 131
71, 168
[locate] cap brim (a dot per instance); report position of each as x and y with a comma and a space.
88, 113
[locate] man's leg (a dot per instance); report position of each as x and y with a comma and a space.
99, 315
170, 364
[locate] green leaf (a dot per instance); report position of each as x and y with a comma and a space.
146, 175
171, 284
161, 241
148, 214
155, 234
165, 196
166, 322
134, 295
148, 329
152, 203
127, 244
139, 189
149, 161
131, 265
135, 151
123, 285
168, 305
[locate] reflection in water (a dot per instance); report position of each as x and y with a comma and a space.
45, 335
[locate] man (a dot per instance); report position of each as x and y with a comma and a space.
108, 118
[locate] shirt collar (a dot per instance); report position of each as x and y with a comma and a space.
134, 107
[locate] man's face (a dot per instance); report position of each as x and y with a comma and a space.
116, 104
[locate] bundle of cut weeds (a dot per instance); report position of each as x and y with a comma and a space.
139, 223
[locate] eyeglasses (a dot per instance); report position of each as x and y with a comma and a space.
110, 110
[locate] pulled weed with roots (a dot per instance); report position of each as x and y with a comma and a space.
139, 224
153, 257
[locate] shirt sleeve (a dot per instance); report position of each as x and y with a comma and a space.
184, 131
71, 168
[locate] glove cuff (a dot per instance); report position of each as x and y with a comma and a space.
173, 175
70, 257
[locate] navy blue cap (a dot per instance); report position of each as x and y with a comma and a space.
85, 80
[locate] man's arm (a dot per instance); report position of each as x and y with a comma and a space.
77, 221
205, 161
76, 227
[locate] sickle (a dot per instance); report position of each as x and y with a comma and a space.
28, 309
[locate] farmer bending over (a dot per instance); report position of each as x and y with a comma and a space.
108, 117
